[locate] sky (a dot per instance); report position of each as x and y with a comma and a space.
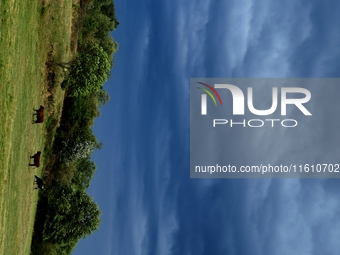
149, 203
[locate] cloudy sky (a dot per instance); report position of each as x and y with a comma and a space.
149, 203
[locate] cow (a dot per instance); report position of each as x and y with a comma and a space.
36, 159
40, 115
39, 182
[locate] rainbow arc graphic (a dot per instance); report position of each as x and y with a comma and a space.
209, 90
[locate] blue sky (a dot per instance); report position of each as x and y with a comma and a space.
142, 184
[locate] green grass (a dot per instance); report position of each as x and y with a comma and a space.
29, 30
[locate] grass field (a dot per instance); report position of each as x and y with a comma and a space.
29, 31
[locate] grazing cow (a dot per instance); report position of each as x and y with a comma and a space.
40, 114
39, 182
36, 159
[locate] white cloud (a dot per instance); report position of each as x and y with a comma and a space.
290, 221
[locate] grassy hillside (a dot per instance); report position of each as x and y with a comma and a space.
30, 32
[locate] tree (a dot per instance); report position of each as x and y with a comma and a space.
71, 215
103, 97
81, 111
84, 173
109, 10
89, 72
73, 150
104, 25
109, 46
80, 145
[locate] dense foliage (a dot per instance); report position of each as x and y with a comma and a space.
71, 215
91, 68
89, 71
66, 213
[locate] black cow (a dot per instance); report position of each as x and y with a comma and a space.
39, 182
40, 114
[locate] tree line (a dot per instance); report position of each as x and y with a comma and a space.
66, 213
